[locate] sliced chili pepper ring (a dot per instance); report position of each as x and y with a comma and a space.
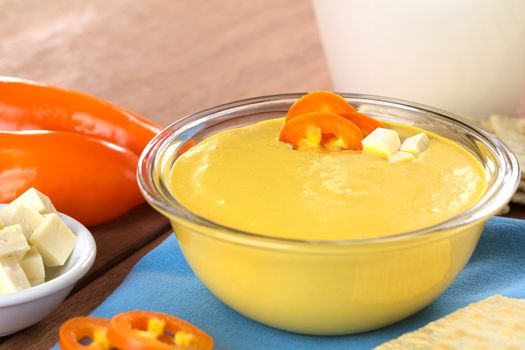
75, 330
138, 330
319, 101
316, 127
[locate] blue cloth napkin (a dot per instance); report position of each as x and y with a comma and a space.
162, 281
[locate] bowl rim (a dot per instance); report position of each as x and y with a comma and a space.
88, 250
495, 197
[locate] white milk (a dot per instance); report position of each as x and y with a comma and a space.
463, 56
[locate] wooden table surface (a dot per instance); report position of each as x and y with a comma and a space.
162, 59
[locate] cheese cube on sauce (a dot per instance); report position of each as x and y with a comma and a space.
382, 142
415, 144
400, 156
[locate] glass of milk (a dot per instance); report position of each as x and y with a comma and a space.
463, 56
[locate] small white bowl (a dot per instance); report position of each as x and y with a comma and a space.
26, 307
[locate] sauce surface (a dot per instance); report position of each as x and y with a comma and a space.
247, 179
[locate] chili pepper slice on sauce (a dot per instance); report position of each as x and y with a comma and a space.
318, 128
28, 105
366, 123
77, 330
319, 101
139, 330
87, 178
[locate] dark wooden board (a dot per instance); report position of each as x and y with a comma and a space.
517, 211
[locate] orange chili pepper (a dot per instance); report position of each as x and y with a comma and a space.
87, 178
366, 123
27, 105
140, 330
319, 101
74, 330
318, 128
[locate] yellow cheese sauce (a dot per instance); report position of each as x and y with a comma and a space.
247, 179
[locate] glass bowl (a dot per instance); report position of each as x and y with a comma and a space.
327, 287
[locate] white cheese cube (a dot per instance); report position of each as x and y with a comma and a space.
401, 156
33, 267
382, 142
54, 240
36, 200
19, 214
1, 224
13, 242
12, 277
415, 144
